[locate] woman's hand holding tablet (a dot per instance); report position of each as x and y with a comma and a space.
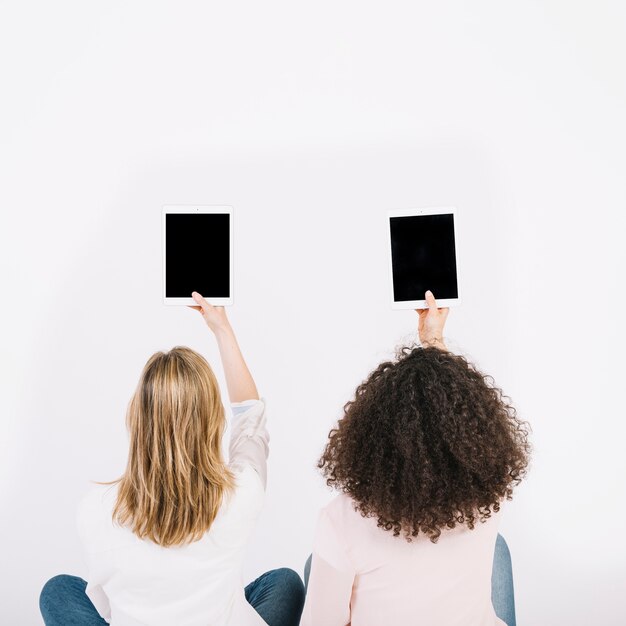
241, 386
431, 323
214, 316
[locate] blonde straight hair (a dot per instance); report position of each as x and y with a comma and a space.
176, 478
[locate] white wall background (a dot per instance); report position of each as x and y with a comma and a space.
312, 120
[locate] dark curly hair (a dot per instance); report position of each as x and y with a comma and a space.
428, 442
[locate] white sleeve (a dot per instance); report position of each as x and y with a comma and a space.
249, 439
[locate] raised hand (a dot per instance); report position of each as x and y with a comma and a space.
431, 322
214, 316
239, 381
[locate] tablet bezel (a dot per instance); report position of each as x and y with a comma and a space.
199, 209
421, 304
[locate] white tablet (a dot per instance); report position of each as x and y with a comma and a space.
198, 254
422, 256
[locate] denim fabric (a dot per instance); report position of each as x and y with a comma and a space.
277, 596
63, 601
502, 596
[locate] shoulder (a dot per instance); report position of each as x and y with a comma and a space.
97, 497
95, 510
339, 518
341, 511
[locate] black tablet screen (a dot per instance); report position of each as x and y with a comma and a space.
423, 256
197, 254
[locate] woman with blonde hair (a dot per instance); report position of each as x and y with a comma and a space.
165, 542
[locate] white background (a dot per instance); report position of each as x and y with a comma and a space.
312, 120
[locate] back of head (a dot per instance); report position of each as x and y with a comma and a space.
427, 443
176, 478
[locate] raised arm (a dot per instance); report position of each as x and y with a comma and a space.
249, 439
431, 323
238, 378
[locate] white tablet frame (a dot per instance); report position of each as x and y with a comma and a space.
421, 304
198, 208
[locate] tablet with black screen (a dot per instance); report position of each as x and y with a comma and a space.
198, 254
423, 256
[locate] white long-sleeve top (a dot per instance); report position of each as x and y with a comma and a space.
134, 581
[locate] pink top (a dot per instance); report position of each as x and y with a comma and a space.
364, 576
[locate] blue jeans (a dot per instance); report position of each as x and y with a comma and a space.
277, 596
502, 596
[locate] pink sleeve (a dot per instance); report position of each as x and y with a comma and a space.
330, 582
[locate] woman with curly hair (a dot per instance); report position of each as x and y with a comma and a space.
424, 456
